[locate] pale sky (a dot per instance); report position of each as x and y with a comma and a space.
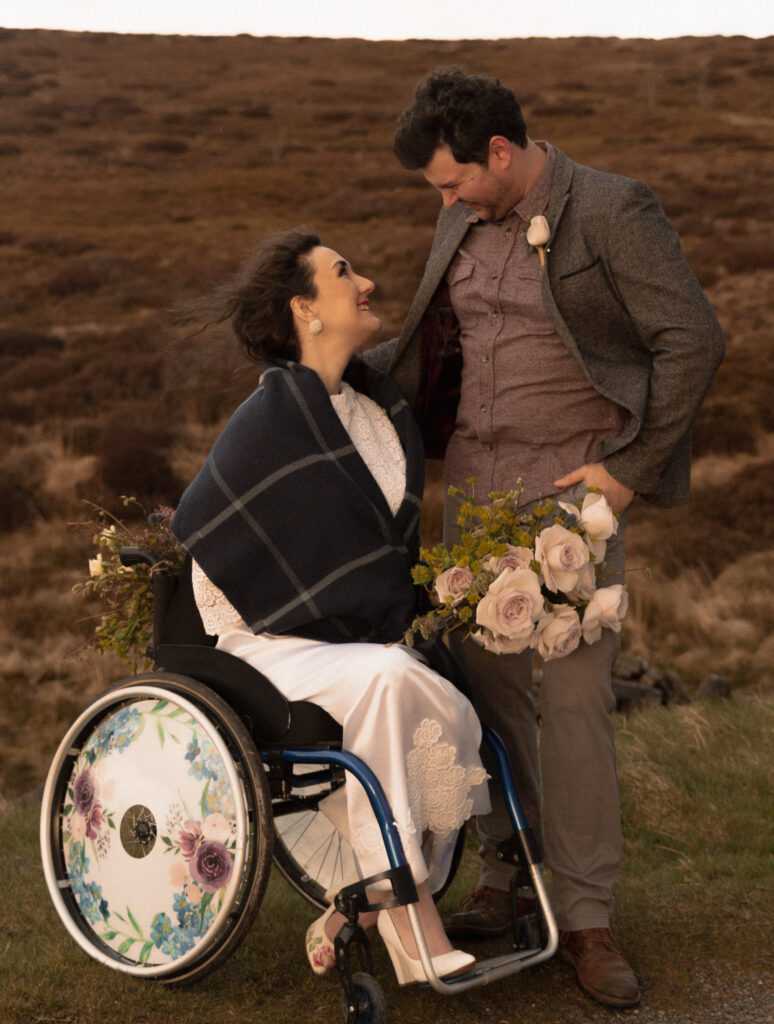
399, 19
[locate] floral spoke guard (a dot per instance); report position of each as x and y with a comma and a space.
153, 831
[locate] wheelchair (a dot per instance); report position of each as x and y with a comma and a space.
173, 791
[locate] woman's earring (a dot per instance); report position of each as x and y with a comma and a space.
315, 326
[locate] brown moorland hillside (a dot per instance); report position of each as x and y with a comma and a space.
136, 170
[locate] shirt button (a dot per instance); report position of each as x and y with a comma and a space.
493, 313
483, 408
508, 232
494, 276
484, 359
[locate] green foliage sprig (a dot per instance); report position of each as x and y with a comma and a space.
126, 623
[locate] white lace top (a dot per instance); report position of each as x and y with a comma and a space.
379, 446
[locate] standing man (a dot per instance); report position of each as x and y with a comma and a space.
578, 361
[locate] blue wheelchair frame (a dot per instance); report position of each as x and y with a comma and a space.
522, 852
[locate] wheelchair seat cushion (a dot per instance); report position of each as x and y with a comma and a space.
247, 691
272, 720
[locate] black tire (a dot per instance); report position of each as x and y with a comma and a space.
371, 1006
242, 766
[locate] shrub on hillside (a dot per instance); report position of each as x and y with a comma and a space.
132, 458
724, 428
60, 245
136, 466
164, 144
22, 341
23, 497
722, 524
88, 273
96, 434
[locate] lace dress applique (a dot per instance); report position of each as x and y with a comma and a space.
218, 614
438, 791
438, 786
376, 440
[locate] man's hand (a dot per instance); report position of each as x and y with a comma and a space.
595, 475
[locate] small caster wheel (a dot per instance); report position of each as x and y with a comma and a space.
371, 1007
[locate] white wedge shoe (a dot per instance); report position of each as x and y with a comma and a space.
409, 971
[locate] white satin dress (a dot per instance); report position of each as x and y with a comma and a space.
413, 728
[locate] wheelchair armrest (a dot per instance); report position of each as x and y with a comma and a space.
245, 689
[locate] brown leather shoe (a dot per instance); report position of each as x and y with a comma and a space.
600, 966
485, 913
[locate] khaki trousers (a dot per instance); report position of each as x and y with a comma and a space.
562, 757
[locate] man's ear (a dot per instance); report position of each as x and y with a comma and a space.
500, 152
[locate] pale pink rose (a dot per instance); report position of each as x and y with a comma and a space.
177, 872
562, 555
587, 584
193, 894
77, 827
453, 583
558, 633
606, 609
216, 826
511, 606
514, 558
500, 644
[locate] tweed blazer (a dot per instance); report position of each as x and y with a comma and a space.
624, 301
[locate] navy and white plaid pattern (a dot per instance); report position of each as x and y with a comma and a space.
287, 520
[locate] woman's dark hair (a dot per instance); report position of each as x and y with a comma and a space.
461, 111
257, 298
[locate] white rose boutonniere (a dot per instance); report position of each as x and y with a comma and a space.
538, 234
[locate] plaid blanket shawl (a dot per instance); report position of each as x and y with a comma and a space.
287, 520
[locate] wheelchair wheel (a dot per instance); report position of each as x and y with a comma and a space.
370, 1007
155, 830
310, 851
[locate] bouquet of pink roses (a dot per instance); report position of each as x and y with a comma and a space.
520, 580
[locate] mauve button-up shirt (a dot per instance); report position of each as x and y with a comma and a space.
526, 408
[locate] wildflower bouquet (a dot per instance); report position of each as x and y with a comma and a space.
520, 580
126, 623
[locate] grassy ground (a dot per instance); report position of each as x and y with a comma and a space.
694, 909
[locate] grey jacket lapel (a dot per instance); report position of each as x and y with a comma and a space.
557, 201
451, 229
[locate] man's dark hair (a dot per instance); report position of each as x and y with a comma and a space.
462, 111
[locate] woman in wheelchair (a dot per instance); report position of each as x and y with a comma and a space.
302, 525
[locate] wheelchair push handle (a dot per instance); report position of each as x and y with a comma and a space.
131, 555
